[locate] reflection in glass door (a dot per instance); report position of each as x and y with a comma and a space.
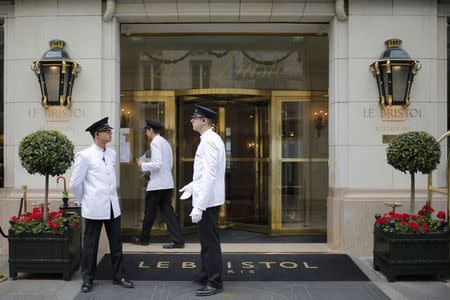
243, 124
302, 152
136, 107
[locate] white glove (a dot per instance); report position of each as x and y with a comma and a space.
187, 191
196, 215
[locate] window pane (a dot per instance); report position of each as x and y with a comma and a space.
295, 130
304, 194
304, 129
133, 183
260, 62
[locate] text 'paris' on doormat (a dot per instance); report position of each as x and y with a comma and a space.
238, 267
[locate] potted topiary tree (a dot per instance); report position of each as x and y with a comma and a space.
40, 241
414, 151
408, 244
47, 152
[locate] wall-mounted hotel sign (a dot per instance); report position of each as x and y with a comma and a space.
56, 74
394, 73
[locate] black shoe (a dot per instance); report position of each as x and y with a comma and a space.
139, 241
86, 286
201, 282
172, 245
208, 290
125, 283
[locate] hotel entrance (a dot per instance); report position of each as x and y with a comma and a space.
271, 99
277, 157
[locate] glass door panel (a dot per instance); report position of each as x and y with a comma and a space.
136, 107
247, 152
302, 125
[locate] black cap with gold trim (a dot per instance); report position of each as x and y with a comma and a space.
153, 124
201, 111
101, 125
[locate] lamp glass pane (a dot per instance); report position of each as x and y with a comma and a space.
400, 81
52, 78
66, 80
384, 77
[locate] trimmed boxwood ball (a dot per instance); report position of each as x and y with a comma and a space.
47, 152
414, 151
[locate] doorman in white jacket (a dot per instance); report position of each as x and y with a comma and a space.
93, 183
208, 194
159, 187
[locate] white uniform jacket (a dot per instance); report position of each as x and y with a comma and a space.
160, 165
208, 180
93, 183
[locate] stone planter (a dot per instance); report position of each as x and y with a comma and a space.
45, 253
398, 254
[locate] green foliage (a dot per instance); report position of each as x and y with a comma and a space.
414, 151
65, 195
47, 152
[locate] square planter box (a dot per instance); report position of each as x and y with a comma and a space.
398, 254
44, 253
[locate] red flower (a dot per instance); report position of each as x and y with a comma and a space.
427, 208
414, 217
55, 225
14, 219
383, 220
414, 226
394, 215
441, 215
36, 210
425, 227
54, 214
404, 223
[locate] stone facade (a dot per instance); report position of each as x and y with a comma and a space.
359, 178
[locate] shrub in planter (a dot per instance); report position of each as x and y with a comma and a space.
407, 244
412, 245
46, 152
41, 241
414, 151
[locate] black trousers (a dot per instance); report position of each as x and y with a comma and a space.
161, 199
92, 232
210, 253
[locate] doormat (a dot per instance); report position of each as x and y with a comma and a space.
238, 267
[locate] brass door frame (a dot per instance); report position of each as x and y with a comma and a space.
278, 97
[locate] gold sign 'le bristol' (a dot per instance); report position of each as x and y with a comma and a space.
244, 266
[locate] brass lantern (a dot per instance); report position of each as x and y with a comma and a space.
56, 74
394, 72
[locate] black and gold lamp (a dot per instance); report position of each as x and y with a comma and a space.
56, 73
394, 73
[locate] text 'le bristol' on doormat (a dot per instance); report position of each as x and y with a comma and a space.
238, 267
